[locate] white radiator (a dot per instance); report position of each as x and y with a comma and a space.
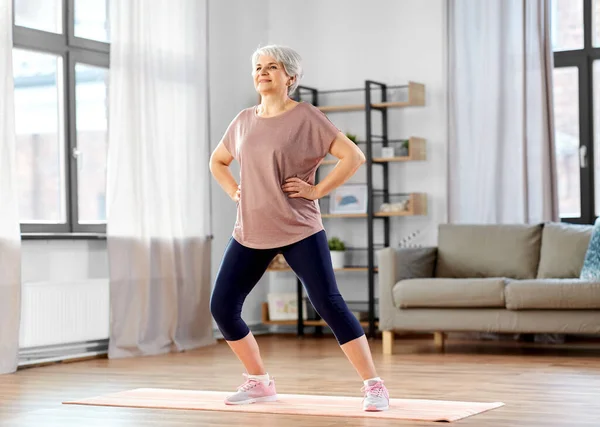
55, 313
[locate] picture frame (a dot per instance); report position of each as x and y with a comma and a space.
349, 199
284, 306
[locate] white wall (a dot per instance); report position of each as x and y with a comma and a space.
345, 42
237, 28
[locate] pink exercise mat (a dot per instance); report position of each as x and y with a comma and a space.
290, 404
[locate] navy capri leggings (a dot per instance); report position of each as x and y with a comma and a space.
242, 267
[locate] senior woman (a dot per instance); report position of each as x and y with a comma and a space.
279, 145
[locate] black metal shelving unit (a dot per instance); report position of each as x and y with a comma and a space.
310, 94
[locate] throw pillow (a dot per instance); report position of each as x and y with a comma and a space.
591, 263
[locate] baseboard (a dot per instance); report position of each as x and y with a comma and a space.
62, 352
32, 356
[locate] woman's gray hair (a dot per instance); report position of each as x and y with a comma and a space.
291, 60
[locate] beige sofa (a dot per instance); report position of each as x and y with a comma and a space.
489, 278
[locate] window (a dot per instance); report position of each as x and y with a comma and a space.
40, 137
575, 36
91, 118
566, 113
596, 23
60, 63
567, 25
44, 15
91, 20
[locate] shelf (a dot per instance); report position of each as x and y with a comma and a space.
416, 151
416, 97
383, 203
417, 206
377, 160
376, 214
358, 215
265, 320
340, 108
335, 269
364, 324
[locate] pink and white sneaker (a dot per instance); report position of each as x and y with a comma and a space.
376, 398
253, 391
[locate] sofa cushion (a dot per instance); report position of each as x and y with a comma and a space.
468, 251
565, 294
415, 262
563, 250
449, 293
591, 264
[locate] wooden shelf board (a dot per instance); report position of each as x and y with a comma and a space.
403, 213
376, 214
280, 322
375, 160
335, 269
307, 323
391, 159
344, 215
360, 107
265, 320
391, 104
333, 108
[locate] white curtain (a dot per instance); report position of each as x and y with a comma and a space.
10, 235
501, 163
158, 178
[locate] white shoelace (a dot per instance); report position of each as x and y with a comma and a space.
248, 385
375, 389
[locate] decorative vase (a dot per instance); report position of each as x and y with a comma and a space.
387, 152
337, 259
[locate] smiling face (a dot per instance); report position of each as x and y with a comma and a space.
270, 76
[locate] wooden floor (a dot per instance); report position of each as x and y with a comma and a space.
540, 386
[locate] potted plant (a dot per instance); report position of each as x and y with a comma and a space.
337, 250
352, 137
404, 148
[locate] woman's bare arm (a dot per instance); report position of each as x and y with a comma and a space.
220, 160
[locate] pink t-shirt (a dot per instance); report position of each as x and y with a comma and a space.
269, 151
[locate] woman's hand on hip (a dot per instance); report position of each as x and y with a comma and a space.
295, 187
236, 196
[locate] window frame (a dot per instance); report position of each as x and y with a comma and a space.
583, 59
73, 50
